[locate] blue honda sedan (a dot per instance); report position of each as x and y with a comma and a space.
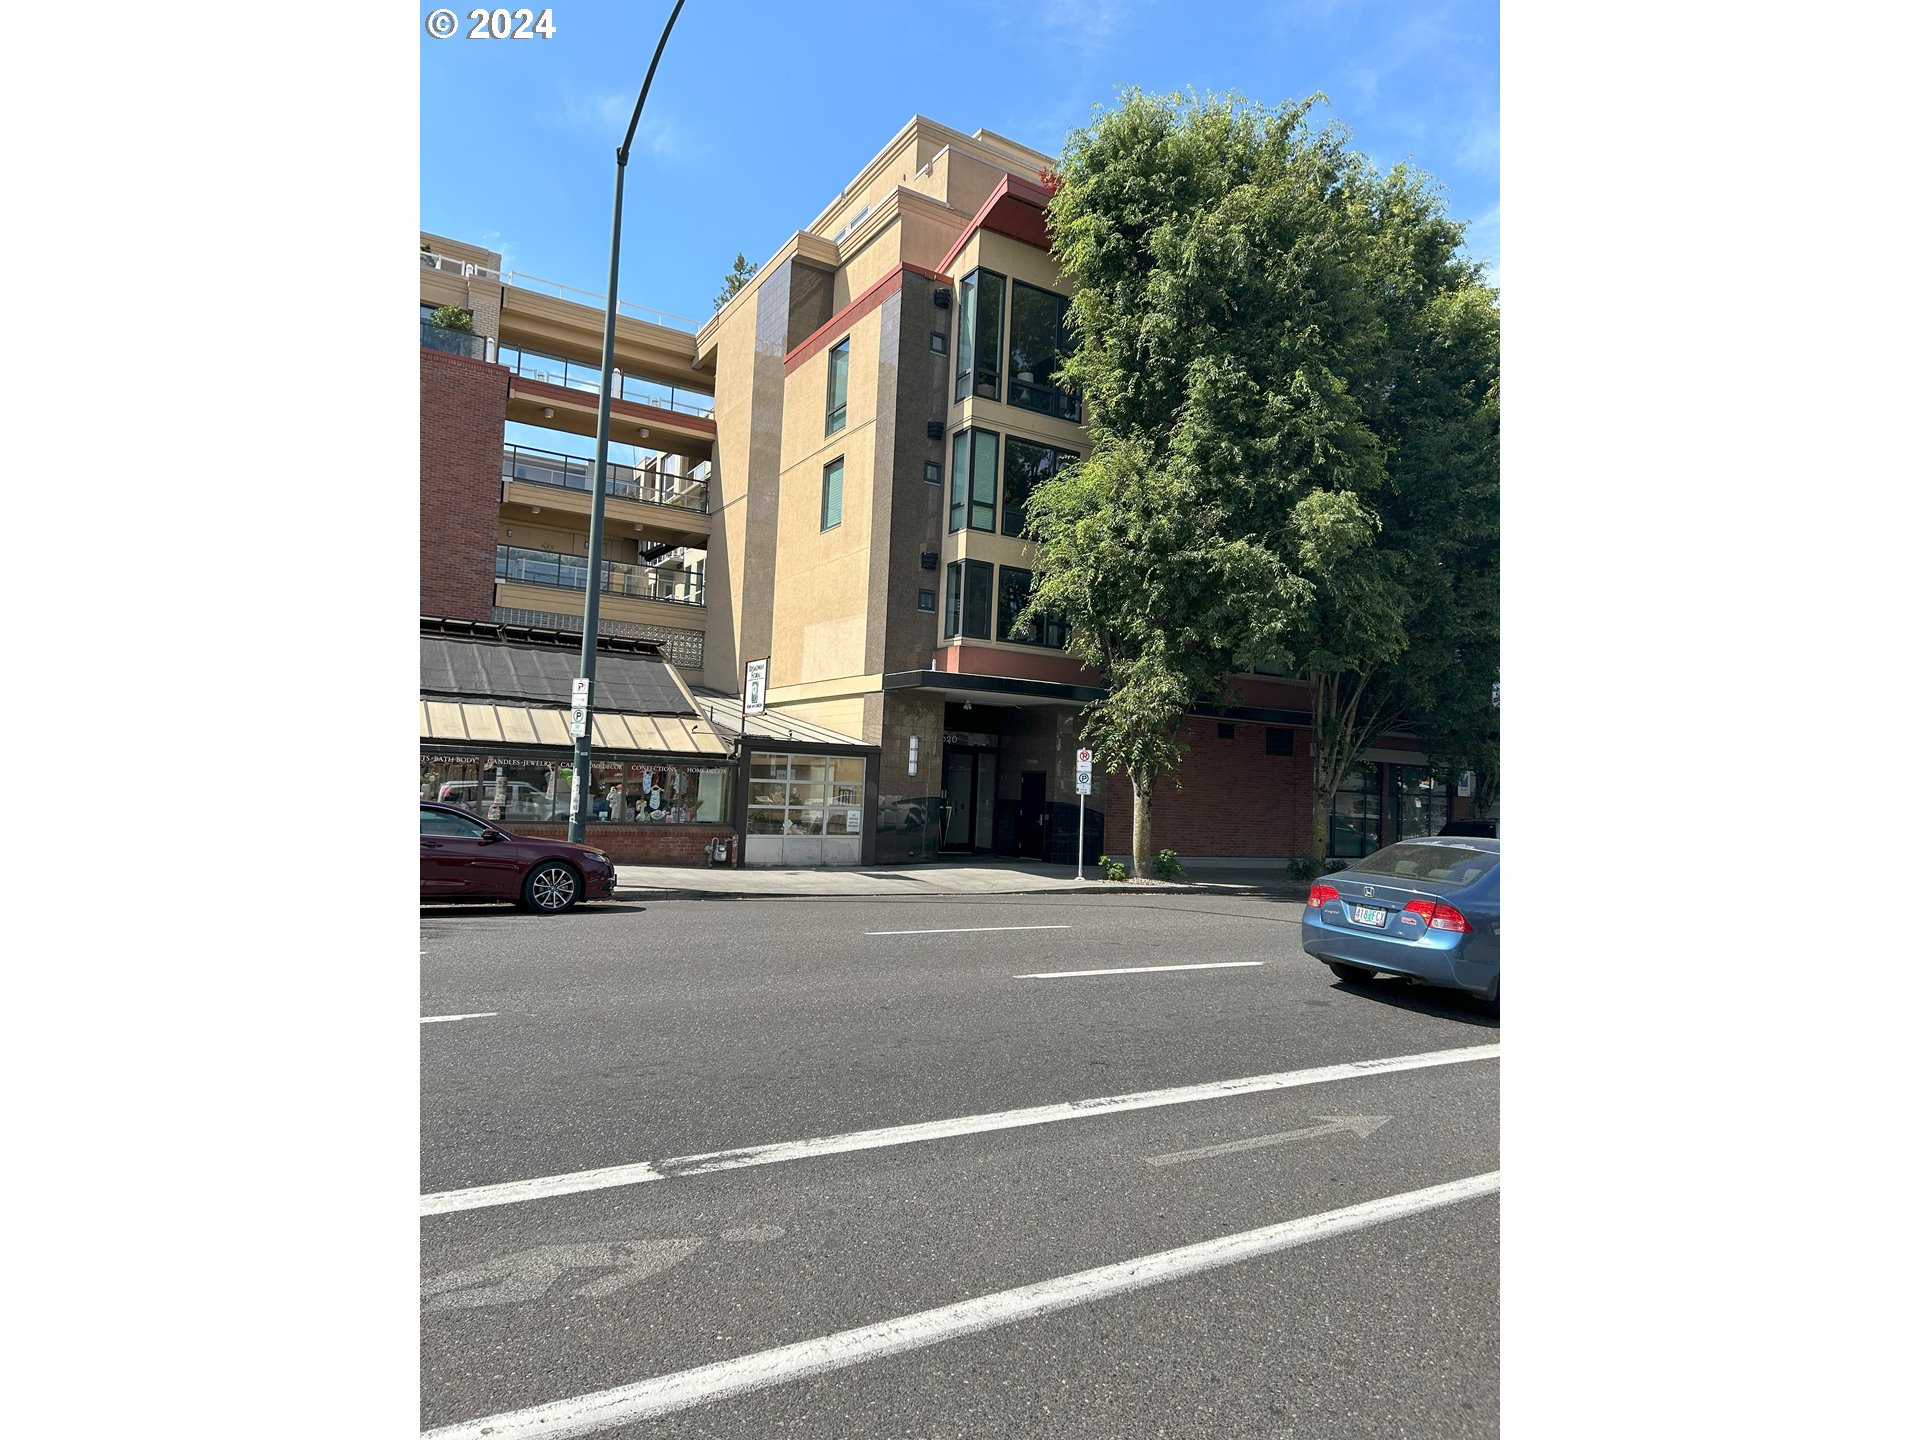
1426, 909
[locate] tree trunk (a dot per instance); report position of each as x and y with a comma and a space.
1142, 828
1317, 841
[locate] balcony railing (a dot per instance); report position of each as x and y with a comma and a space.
465, 269
571, 472
452, 342
468, 269
574, 375
599, 302
664, 583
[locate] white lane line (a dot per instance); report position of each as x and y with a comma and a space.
512, 1192
442, 1019
1139, 969
969, 930
624, 1404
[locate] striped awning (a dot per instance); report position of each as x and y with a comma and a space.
483, 723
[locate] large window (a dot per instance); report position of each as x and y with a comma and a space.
1038, 343
1356, 813
1419, 802
977, 364
511, 791
805, 794
624, 793
1039, 629
832, 483
1028, 463
976, 475
837, 360
970, 599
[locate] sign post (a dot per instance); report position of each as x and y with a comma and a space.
1082, 786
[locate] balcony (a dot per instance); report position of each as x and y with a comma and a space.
571, 472
573, 375
451, 342
664, 584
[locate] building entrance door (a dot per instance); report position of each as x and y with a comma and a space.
958, 785
969, 777
1033, 798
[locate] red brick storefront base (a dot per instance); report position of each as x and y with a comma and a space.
647, 844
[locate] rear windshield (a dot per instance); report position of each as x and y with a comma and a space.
1428, 861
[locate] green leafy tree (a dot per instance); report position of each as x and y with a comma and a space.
1273, 367
735, 281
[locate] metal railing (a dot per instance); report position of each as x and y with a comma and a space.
624, 482
452, 342
639, 582
468, 269
465, 269
577, 375
599, 302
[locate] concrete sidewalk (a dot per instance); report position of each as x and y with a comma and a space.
979, 877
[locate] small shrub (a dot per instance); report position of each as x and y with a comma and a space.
1113, 869
453, 317
1301, 868
1167, 866
1333, 867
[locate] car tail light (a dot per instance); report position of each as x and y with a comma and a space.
1319, 895
1439, 915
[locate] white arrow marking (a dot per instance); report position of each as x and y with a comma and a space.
644, 1399
1361, 1125
529, 1274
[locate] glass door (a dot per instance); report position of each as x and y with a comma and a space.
958, 783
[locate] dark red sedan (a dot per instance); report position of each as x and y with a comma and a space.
464, 858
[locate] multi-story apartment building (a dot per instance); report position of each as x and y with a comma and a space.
829, 474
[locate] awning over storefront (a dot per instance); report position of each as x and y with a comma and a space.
477, 722
724, 712
510, 688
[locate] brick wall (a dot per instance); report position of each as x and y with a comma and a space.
463, 411
645, 844
1233, 798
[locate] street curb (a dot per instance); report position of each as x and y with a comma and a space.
645, 892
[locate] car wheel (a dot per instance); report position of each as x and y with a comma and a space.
1352, 974
552, 886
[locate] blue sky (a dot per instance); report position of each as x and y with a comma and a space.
760, 113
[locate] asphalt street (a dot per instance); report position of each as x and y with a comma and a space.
1311, 1252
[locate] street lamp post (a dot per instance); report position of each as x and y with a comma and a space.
590, 624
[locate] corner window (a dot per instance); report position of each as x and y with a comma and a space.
970, 599
977, 363
831, 483
1028, 464
976, 475
1038, 343
1019, 624
837, 361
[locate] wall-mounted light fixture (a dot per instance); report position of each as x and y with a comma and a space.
913, 755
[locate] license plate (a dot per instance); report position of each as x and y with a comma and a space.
1369, 915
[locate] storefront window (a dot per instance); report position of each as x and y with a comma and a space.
805, 794
507, 790
1419, 802
630, 793
1356, 813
